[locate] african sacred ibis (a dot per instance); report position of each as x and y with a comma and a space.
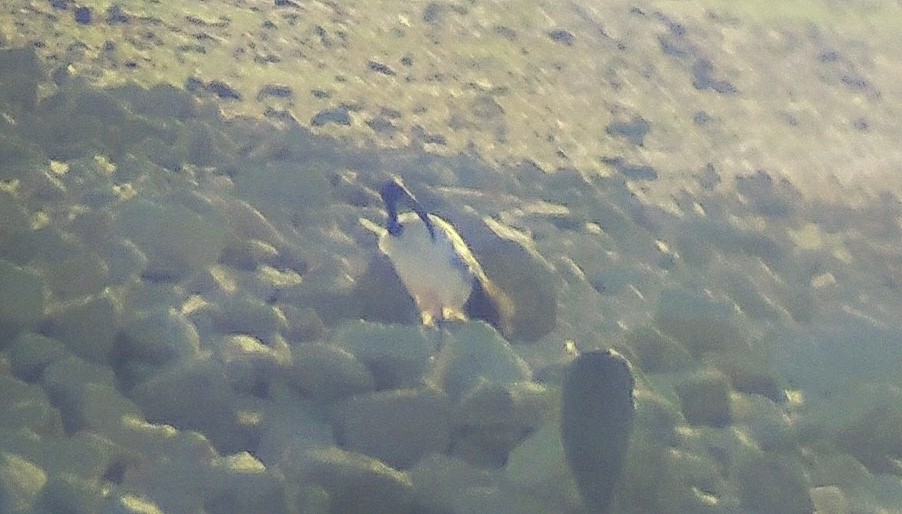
435, 265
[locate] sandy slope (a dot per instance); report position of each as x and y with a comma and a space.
808, 92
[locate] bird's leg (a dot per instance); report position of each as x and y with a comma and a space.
451, 314
427, 318
443, 333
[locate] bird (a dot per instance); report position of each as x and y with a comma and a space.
435, 265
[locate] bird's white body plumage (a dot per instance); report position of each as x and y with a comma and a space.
438, 272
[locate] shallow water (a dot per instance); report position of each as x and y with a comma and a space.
711, 190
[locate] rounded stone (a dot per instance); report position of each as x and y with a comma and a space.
13, 217
439, 480
773, 483
176, 240
240, 483
511, 261
25, 65
656, 351
26, 409
378, 282
88, 329
474, 353
196, 395
597, 413
21, 482
22, 296
160, 336
244, 314
397, 355
250, 365
152, 340
125, 261
750, 373
397, 427
356, 484
699, 323
326, 373
82, 15
492, 419
277, 188
78, 272
872, 434
248, 254
69, 493
85, 394
705, 399
30, 354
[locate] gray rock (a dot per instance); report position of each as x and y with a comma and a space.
196, 395
355, 484
248, 254
13, 217
71, 494
520, 404
304, 324
21, 482
242, 314
240, 484
699, 323
538, 467
31, 353
22, 296
705, 399
29, 247
338, 116
656, 351
85, 395
78, 272
474, 353
129, 504
438, 481
872, 433
519, 271
380, 282
141, 296
176, 240
250, 365
176, 470
750, 373
281, 188
88, 329
290, 424
499, 500
22, 158
829, 499
773, 483
25, 65
597, 414
492, 419
397, 427
26, 409
326, 373
248, 224
125, 261
397, 355
151, 341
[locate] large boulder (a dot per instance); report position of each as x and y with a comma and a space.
597, 414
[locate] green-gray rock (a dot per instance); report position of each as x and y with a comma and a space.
353, 483
22, 297
596, 422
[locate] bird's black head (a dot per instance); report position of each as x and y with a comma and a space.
394, 193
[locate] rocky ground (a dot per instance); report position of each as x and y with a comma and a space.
194, 317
